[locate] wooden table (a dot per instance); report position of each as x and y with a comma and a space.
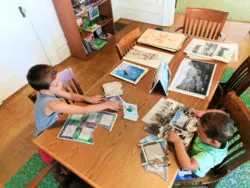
114, 159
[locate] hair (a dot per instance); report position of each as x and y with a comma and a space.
41, 76
217, 126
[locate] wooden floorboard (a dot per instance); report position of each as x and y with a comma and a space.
17, 123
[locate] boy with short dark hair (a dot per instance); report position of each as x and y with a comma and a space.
46, 80
214, 131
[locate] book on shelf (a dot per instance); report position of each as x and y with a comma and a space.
97, 44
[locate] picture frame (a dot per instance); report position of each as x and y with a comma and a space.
129, 72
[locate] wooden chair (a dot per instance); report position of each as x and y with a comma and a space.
239, 145
69, 82
239, 82
127, 42
205, 23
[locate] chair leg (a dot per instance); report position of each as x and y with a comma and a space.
40, 176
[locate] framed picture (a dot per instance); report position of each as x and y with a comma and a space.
129, 72
193, 78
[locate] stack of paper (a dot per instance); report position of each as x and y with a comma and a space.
162, 39
130, 111
113, 89
207, 50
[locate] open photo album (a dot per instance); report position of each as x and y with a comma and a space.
202, 49
167, 115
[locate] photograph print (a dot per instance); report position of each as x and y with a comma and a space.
168, 114
129, 72
193, 78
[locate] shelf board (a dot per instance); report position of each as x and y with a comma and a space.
86, 33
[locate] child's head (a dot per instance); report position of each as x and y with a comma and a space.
215, 126
41, 77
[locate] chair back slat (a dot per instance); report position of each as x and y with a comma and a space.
127, 42
240, 80
210, 22
216, 32
239, 149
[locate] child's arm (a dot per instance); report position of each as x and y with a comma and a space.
62, 107
77, 97
184, 160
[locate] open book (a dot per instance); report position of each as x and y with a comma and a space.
168, 114
202, 49
162, 39
81, 127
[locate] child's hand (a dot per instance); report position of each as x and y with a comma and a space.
95, 99
173, 137
112, 105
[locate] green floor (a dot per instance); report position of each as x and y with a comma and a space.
239, 10
239, 178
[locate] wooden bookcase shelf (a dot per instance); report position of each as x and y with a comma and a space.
67, 18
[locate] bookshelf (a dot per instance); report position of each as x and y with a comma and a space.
68, 19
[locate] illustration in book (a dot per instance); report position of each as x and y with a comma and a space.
168, 114
148, 57
105, 119
129, 72
161, 78
76, 128
193, 78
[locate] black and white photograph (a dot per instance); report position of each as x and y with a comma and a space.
159, 120
193, 78
206, 50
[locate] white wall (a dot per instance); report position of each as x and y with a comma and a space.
35, 39
116, 10
158, 12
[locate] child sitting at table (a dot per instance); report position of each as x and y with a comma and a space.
214, 131
46, 80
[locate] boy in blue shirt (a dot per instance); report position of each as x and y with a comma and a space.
214, 131
46, 80
49, 104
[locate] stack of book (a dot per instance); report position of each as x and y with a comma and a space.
113, 89
91, 43
162, 39
207, 50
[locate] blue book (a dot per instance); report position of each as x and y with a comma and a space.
87, 46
